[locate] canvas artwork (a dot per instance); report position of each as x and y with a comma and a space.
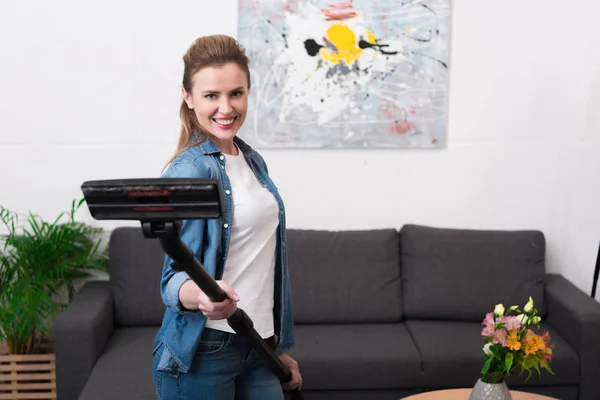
354, 74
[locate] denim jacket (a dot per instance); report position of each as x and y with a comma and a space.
209, 240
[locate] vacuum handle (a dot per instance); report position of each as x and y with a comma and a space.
185, 260
241, 322
204, 281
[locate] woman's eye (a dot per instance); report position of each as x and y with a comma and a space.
237, 93
210, 96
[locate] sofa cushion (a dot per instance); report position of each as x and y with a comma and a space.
460, 274
361, 356
135, 271
124, 370
452, 351
344, 276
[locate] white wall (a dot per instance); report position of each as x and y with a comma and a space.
92, 92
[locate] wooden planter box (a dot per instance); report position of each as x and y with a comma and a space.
28, 376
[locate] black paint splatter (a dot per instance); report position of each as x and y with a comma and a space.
416, 39
312, 47
283, 35
363, 44
431, 58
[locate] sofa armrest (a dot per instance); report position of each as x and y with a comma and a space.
80, 333
576, 317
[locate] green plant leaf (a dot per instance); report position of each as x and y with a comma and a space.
495, 377
546, 366
486, 366
39, 262
508, 361
537, 368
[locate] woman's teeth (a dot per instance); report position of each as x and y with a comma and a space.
224, 122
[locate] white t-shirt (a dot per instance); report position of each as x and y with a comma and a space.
250, 265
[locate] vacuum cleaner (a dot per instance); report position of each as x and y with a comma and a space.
160, 204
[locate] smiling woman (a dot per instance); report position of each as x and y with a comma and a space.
215, 86
219, 99
196, 353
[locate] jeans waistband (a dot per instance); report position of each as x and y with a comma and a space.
215, 334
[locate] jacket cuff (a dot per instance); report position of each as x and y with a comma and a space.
172, 293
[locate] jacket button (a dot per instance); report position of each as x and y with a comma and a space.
222, 157
227, 191
225, 225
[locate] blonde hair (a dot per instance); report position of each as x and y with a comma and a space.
206, 51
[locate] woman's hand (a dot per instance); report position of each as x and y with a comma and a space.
221, 310
192, 298
296, 381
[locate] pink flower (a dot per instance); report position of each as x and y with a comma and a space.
489, 320
511, 323
487, 331
489, 325
546, 338
500, 337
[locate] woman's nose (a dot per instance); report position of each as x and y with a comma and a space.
225, 105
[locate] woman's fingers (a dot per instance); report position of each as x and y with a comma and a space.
227, 289
218, 310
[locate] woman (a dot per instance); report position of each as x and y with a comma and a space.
197, 354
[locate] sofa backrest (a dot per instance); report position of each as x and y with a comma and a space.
344, 276
336, 276
135, 271
364, 276
461, 274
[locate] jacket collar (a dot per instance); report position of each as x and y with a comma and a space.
208, 147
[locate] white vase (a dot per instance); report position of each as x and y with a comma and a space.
490, 391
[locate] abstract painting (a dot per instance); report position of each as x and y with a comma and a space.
353, 74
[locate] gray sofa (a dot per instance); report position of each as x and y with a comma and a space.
379, 314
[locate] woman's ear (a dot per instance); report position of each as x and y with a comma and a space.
188, 98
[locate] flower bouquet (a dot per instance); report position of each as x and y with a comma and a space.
510, 342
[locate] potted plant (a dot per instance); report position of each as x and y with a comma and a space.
40, 265
510, 343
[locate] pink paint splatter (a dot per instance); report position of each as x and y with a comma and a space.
340, 11
403, 127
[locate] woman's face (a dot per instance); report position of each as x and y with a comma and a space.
219, 98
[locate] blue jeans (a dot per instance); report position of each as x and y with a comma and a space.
225, 367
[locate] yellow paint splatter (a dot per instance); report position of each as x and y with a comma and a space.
342, 37
371, 37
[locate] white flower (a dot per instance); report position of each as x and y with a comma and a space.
536, 320
486, 349
499, 310
522, 318
529, 306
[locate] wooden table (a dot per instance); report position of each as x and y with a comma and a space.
463, 394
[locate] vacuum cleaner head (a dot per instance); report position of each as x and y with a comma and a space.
154, 199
